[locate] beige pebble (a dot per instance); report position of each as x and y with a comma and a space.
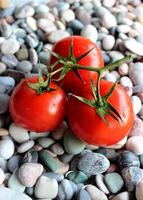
3, 132
139, 191
4, 4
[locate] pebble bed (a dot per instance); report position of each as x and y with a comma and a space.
57, 165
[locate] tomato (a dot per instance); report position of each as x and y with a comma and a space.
87, 125
80, 46
35, 112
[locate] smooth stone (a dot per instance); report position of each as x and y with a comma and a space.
2, 176
136, 103
137, 129
3, 164
33, 56
14, 182
132, 176
83, 16
28, 173
76, 26
111, 154
83, 194
10, 60
31, 22
68, 15
139, 191
72, 144
109, 3
62, 168
136, 73
123, 196
61, 6
4, 102
45, 142
66, 158
24, 12
46, 25
140, 39
2, 88
134, 46
10, 46
44, 57
9, 194
6, 29
95, 193
25, 146
114, 182
57, 35
66, 190
16, 75
125, 81
59, 177
58, 133
30, 156
93, 163
108, 42
108, 20
18, 133
128, 159
134, 144
77, 176
138, 27
32, 40
2, 67
14, 162
24, 66
6, 148
48, 160
8, 82
115, 55
46, 188
22, 54
99, 179
57, 149
123, 28
89, 31
36, 135
41, 8
19, 33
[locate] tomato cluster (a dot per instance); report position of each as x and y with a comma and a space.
92, 116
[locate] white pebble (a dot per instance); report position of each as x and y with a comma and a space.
123, 69
119, 144
135, 144
139, 191
31, 23
25, 146
136, 102
134, 46
136, 73
2, 176
89, 31
6, 148
108, 42
10, 46
95, 193
68, 15
124, 28
137, 129
46, 25
109, 3
125, 81
108, 20
18, 133
138, 27
99, 179
55, 36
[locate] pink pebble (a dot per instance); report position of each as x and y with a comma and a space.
137, 129
135, 144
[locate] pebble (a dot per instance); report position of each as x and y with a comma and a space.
6, 148
108, 20
57, 149
24, 66
139, 190
115, 55
77, 176
108, 42
28, 173
10, 46
22, 54
134, 144
33, 56
137, 129
3, 164
114, 182
66, 158
45, 142
99, 179
62, 168
30, 156
123, 196
89, 31
93, 163
58, 133
43, 57
123, 69
128, 159
83, 16
68, 15
111, 154
76, 26
134, 46
61, 6
24, 12
8, 82
32, 40
66, 190
83, 194
14, 162
25, 146
4, 101
124, 28
46, 25
53, 175
109, 3
46, 188
35, 135
132, 176
41, 8
9, 194
2, 67
10, 60
72, 144
125, 81
95, 193
5, 29
14, 182
136, 103
2, 176
136, 73
18, 133
31, 22
57, 35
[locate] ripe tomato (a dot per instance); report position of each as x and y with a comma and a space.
37, 112
80, 46
90, 127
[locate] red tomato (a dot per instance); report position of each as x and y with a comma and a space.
37, 112
80, 46
87, 125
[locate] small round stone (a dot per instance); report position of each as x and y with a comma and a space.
123, 69
89, 31
108, 42
139, 190
83, 16
22, 54
46, 25
99, 179
108, 20
43, 57
72, 144
10, 46
136, 102
46, 188
31, 22
134, 144
68, 15
57, 35
95, 193
8, 82
18, 133
136, 73
6, 148
14, 162
125, 81
134, 46
25, 146
32, 40
114, 182
124, 28
76, 26
2, 67
33, 56
24, 66
29, 173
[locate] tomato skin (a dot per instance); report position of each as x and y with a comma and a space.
89, 127
80, 46
37, 112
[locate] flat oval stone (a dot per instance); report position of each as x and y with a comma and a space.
57, 149
6, 148
8, 82
72, 144
25, 146
10, 60
46, 25
93, 163
123, 196
136, 73
23, 12
22, 54
10, 46
83, 194
108, 42
77, 176
134, 144
24, 66
14, 162
57, 35
45, 142
95, 193
33, 56
76, 26
134, 46
90, 32
59, 177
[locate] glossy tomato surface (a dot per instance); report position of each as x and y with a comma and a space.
80, 46
35, 112
87, 125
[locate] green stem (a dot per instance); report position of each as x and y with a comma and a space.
99, 99
56, 71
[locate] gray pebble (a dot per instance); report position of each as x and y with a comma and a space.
66, 158
22, 54
10, 60
108, 42
19, 33
5, 29
59, 177
89, 31
57, 149
14, 162
7, 148
45, 142
44, 57
25, 146
4, 101
61, 6
24, 66
33, 56
32, 40
111, 154
83, 16
30, 156
41, 8
29, 191
23, 12
57, 35
46, 25
134, 46
93, 163
83, 194
76, 26
10, 46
